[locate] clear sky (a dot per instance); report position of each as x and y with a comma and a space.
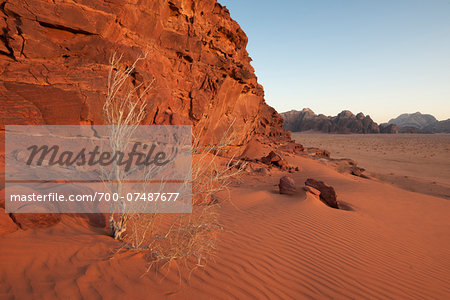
381, 57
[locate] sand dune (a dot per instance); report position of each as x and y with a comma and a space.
393, 245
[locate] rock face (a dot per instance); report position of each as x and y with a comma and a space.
287, 185
420, 123
327, 193
54, 59
344, 122
55, 55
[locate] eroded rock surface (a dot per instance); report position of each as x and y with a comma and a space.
54, 60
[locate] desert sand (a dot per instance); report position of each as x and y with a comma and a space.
393, 243
416, 162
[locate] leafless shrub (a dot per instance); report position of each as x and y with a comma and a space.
124, 110
165, 237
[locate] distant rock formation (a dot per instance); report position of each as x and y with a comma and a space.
388, 128
344, 122
441, 126
415, 122
420, 123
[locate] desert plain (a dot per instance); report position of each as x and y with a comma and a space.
415, 162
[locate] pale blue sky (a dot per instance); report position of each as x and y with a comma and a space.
381, 57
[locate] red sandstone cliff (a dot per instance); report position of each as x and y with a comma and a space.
54, 60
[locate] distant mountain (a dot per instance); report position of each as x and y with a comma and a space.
347, 122
441, 126
413, 122
344, 122
420, 123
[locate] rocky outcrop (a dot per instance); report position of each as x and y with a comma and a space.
388, 128
274, 159
54, 59
317, 152
344, 122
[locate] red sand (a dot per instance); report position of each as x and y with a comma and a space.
395, 244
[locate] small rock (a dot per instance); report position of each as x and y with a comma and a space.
271, 158
287, 185
327, 193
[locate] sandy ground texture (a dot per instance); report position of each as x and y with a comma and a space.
416, 162
392, 244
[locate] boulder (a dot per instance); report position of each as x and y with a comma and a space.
327, 193
271, 159
287, 186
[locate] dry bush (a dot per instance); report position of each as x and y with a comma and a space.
124, 110
170, 237
165, 237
